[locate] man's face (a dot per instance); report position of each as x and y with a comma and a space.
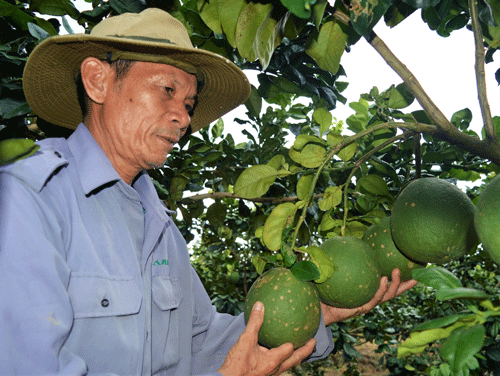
145, 113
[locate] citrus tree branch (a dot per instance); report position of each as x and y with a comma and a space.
489, 148
447, 132
489, 128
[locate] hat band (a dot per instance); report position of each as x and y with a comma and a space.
146, 39
128, 55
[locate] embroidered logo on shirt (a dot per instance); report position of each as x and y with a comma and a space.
162, 262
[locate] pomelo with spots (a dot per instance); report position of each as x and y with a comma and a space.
292, 310
432, 221
388, 256
487, 219
356, 275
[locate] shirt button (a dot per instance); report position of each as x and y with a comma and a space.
105, 303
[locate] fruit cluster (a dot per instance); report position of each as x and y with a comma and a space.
432, 221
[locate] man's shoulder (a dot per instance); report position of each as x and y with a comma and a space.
37, 169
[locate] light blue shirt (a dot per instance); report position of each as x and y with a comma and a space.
95, 277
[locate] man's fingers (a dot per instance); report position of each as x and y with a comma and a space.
299, 355
255, 320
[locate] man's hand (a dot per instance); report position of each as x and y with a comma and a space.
247, 358
384, 293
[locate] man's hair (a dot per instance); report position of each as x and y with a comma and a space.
121, 67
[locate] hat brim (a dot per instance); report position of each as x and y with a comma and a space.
49, 79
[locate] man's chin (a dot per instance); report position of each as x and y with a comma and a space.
157, 164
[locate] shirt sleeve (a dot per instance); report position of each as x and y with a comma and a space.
35, 310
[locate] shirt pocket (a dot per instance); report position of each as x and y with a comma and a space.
166, 316
95, 295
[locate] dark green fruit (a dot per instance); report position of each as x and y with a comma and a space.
432, 221
292, 310
388, 257
356, 277
487, 219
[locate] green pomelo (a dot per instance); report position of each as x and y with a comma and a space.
356, 276
292, 310
388, 256
432, 221
487, 219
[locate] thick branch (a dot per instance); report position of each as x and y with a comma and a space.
489, 128
488, 149
447, 132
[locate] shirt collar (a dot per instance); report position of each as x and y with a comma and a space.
95, 170
93, 166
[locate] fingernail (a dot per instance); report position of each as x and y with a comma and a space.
258, 306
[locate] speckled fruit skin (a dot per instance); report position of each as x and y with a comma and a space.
356, 277
432, 221
292, 310
487, 219
388, 256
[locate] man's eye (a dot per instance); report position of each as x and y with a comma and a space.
169, 90
190, 109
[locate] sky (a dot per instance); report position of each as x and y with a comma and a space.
443, 66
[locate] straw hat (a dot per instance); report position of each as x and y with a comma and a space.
152, 35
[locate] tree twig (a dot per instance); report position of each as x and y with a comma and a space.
489, 128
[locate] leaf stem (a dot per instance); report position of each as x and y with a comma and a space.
359, 162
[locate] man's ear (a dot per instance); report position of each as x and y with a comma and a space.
96, 76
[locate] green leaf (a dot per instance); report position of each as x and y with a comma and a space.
268, 37
255, 181
300, 8
436, 277
281, 217
277, 162
218, 128
366, 14
324, 118
54, 7
259, 264
418, 341
449, 347
331, 198
216, 214
177, 185
305, 270
303, 139
470, 342
10, 108
248, 23
304, 186
462, 119
461, 293
124, 6
443, 321
254, 103
209, 13
14, 149
329, 46
322, 262
373, 184
229, 13
311, 156
37, 32
399, 97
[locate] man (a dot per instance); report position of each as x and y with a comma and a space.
82, 229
